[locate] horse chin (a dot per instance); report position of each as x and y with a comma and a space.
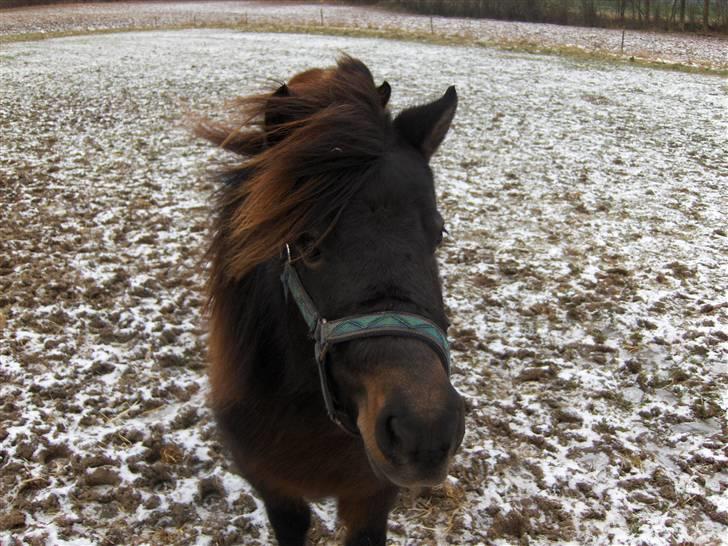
406, 477
418, 482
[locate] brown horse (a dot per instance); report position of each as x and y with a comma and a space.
331, 215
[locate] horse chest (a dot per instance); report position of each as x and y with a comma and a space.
293, 449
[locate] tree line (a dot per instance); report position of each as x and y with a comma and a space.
684, 15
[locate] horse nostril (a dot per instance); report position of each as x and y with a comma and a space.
390, 437
441, 454
402, 441
394, 437
392, 431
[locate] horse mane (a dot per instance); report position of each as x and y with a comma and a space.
329, 129
305, 152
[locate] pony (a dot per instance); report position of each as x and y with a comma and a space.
329, 364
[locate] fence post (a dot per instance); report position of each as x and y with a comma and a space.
322, 16
621, 47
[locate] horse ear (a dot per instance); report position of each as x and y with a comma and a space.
384, 91
425, 126
271, 116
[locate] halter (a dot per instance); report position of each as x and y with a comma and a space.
326, 333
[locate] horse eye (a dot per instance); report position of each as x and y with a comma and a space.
308, 250
312, 255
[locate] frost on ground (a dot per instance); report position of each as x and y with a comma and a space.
585, 276
677, 48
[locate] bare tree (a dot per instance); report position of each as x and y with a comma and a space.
706, 14
676, 14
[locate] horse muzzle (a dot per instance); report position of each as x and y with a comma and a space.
412, 426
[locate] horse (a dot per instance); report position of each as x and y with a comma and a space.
329, 362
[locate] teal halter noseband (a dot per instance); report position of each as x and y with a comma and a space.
326, 333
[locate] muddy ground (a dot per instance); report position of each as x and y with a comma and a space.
585, 276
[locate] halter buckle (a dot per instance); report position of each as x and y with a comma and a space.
321, 344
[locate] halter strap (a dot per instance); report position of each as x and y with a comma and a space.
292, 284
384, 323
327, 333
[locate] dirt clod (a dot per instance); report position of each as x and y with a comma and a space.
12, 520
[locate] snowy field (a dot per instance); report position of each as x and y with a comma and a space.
684, 49
585, 275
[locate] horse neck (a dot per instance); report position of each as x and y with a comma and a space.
280, 355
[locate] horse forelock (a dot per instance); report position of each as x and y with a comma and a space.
332, 131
